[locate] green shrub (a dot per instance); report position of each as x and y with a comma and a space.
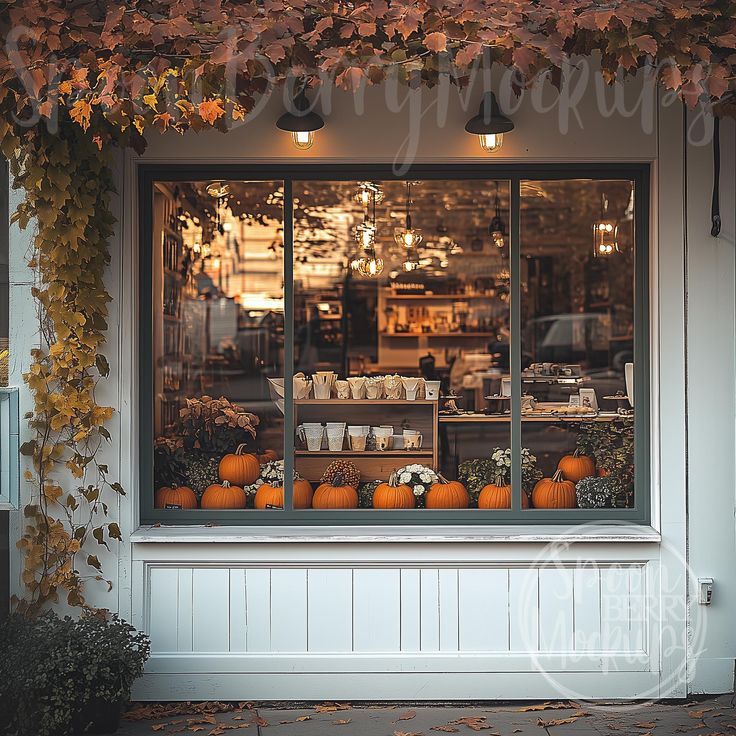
51, 668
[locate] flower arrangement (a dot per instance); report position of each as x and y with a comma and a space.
599, 493
214, 425
271, 473
497, 470
418, 477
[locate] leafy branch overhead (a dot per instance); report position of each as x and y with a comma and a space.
180, 65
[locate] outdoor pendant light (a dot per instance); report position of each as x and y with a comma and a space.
407, 236
489, 124
497, 227
302, 122
367, 193
605, 233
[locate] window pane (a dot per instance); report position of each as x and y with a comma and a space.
218, 340
401, 312
577, 316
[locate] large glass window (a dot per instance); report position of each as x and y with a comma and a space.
449, 347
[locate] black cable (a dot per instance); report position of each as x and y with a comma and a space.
715, 211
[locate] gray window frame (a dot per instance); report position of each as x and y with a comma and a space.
638, 173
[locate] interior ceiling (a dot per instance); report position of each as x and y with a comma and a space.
557, 216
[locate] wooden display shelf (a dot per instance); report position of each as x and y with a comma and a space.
359, 453
450, 297
460, 418
437, 334
364, 402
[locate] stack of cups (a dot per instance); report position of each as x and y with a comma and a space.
358, 435
384, 437
312, 433
335, 436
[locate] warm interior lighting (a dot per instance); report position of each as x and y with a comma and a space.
491, 142
605, 233
407, 237
303, 139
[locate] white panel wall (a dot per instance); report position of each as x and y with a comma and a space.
256, 625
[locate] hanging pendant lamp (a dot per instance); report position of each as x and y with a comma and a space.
301, 121
489, 124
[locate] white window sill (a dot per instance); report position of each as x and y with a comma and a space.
579, 533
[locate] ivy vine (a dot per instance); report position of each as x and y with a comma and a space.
68, 185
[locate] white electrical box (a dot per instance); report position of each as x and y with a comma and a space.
705, 591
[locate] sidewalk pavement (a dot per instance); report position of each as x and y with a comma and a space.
711, 717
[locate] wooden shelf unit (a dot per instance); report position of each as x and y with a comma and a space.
373, 464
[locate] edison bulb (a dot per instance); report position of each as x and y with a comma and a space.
491, 142
407, 237
303, 139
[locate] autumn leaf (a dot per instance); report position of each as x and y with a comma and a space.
407, 715
446, 728
436, 41
475, 723
341, 721
210, 110
81, 112
561, 721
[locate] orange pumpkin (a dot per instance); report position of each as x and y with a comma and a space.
392, 496
239, 468
575, 467
267, 456
223, 496
495, 496
554, 493
269, 496
447, 494
335, 494
182, 497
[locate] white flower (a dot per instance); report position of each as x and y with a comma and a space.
405, 477
418, 490
425, 477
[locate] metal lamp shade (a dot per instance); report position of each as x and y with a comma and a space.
489, 119
300, 118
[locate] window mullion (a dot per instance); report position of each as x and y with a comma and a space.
515, 357
288, 216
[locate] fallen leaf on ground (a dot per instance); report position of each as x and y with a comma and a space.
546, 706
407, 715
476, 723
332, 707
646, 724
304, 718
562, 721
698, 713
341, 721
447, 729
407, 733
260, 721
159, 726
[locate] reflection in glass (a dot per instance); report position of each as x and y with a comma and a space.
577, 313
218, 340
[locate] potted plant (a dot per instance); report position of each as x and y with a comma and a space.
478, 473
60, 675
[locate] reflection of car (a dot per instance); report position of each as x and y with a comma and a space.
577, 338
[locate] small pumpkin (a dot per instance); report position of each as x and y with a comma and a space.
223, 496
497, 496
181, 496
391, 495
270, 496
447, 494
239, 468
335, 494
554, 493
575, 467
267, 456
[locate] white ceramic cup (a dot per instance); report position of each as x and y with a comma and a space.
357, 386
432, 390
384, 442
313, 436
412, 441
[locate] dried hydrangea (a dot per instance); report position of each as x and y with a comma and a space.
597, 493
418, 477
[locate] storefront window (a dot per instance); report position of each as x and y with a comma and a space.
436, 368
218, 340
577, 315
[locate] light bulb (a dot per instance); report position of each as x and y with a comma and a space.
303, 139
498, 239
407, 237
365, 234
491, 142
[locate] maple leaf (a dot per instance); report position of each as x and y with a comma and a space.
351, 78
210, 110
646, 44
163, 119
81, 112
436, 41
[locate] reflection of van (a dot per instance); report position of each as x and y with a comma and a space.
576, 338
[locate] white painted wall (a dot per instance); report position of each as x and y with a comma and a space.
283, 620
